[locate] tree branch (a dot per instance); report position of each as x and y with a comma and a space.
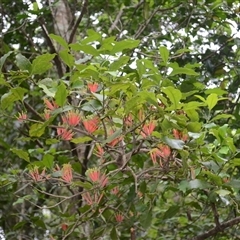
84, 8
214, 231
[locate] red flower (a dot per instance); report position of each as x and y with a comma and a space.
162, 151
119, 217
180, 135
100, 152
67, 173
47, 114
115, 190
91, 125
22, 117
64, 226
50, 105
95, 176
114, 141
147, 129
72, 118
93, 87
128, 121
35, 175
65, 134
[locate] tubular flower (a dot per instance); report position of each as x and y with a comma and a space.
180, 135
50, 105
115, 190
119, 217
128, 120
22, 117
99, 152
91, 125
35, 175
161, 152
71, 118
47, 114
147, 129
65, 134
96, 177
67, 173
92, 199
93, 87
114, 141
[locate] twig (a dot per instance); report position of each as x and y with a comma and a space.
214, 231
84, 7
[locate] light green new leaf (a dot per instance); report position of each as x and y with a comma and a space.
42, 63
61, 95
125, 44
212, 100
37, 130
81, 139
59, 40
21, 154
222, 116
187, 71
164, 54
67, 58
3, 59
23, 63
48, 161
174, 95
88, 49
92, 36
116, 65
18, 93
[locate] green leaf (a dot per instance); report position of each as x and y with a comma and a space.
42, 63
81, 139
3, 59
212, 100
23, 63
61, 95
174, 143
67, 58
174, 96
88, 49
48, 161
198, 184
146, 219
59, 40
222, 116
116, 65
187, 71
21, 154
115, 135
18, 93
113, 233
171, 212
125, 44
164, 54
37, 130
92, 36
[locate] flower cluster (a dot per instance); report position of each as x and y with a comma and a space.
96, 176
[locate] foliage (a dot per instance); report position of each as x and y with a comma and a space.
129, 130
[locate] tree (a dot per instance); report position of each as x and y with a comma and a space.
120, 121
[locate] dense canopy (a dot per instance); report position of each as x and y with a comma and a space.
119, 119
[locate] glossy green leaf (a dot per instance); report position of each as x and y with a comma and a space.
164, 52
37, 130
88, 49
67, 58
42, 63
21, 154
174, 96
48, 161
125, 44
23, 63
174, 143
187, 71
3, 59
117, 64
59, 40
61, 95
171, 212
212, 100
